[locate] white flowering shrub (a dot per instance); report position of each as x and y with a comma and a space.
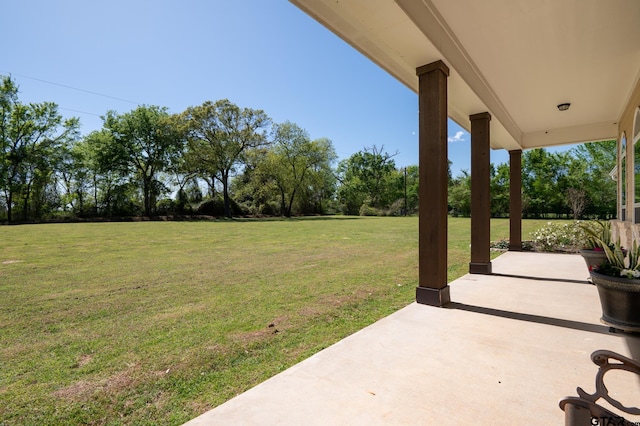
503, 245
559, 237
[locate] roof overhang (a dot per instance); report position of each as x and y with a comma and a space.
516, 59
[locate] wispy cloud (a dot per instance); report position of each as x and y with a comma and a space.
458, 137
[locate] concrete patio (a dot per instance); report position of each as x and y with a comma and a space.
504, 352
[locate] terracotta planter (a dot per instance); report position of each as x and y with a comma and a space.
620, 301
593, 258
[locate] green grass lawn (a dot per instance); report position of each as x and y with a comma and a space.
157, 322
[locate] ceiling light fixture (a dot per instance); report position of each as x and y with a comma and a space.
564, 107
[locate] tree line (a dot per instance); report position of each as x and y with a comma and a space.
222, 160
577, 184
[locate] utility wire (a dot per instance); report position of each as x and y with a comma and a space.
74, 88
80, 112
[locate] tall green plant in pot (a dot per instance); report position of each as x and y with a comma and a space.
618, 284
597, 236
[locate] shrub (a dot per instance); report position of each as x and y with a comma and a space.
269, 209
503, 245
565, 237
215, 207
366, 210
500, 244
165, 206
396, 209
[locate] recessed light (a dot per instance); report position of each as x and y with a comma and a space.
564, 107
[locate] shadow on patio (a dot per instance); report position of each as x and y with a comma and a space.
504, 352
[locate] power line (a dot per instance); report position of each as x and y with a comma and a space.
73, 88
81, 112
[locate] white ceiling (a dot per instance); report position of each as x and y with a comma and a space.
517, 59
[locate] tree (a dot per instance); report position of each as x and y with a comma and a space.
29, 136
320, 182
590, 170
219, 134
500, 183
367, 177
576, 200
70, 173
460, 195
145, 140
105, 174
181, 176
544, 181
412, 184
254, 188
296, 163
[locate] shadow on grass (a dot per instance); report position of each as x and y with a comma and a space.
293, 218
184, 218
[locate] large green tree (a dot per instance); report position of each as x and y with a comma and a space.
144, 142
321, 180
107, 177
296, 164
500, 183
73, 177
411, 180
30, 136
590, 170
254, 188
219, 134
459, 196
544, 182
369, 178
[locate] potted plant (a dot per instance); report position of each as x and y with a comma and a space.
618, 282
597, 236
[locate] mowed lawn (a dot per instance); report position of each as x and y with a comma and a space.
157, 322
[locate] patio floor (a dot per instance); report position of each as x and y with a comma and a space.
504, 352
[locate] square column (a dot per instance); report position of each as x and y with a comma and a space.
515, 200
480, 194
434, 180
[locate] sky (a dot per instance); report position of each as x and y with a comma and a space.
90, 57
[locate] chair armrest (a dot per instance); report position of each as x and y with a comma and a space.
581, 409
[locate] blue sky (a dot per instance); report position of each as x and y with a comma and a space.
261, 54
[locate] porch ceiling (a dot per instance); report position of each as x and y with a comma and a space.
517, 59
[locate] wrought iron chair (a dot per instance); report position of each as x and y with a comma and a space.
583, 410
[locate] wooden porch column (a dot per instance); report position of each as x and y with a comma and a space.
433, 162
515, 200
480, 194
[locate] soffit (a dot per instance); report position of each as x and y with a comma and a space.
516, 59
